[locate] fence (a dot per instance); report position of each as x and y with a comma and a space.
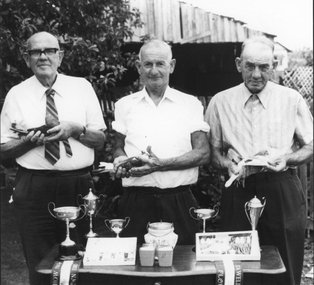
301, 79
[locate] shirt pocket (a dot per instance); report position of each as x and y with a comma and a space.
278, 134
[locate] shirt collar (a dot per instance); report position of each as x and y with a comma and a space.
169, 94
263, 96
40, 89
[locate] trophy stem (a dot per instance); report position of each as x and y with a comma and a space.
204, 225
91, 233
67, 241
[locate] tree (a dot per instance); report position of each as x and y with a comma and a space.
302, 57
91, 33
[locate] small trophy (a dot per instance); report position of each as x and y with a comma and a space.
204, 214
117, 225
93, 205
67, 249
253, 210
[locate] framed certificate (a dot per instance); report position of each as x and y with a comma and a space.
241, 245
110, 251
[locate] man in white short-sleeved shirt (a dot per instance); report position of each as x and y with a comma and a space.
54, 164
169, 126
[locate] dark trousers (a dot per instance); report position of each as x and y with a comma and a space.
150, 204
38, 230
283, 221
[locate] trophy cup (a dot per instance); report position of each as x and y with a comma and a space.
68, 248
204, 214
93, 206
253, 210
117, 225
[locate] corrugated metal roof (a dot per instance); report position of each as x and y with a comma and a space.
179, 22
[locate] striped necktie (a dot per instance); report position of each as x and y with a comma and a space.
52, 150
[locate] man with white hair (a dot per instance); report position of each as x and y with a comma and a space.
169, 126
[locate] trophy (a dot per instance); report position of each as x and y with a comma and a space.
253, 210
204, 214
67, 249
117, 225
93, 205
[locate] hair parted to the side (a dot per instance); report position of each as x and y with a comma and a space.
258, 39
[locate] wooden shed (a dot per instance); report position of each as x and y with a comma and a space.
204, 45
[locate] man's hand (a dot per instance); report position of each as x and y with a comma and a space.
150, 161
277, 164
37, 138
119, 171
63, 131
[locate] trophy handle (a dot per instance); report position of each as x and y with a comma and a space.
77, 199
107, 225
127, 219
246, 209
216, 208
83, 209
264, 199
102, 203
51, 203
192, 208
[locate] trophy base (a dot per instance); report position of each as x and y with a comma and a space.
68, 253
91, 235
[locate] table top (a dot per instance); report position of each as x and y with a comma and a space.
184, 264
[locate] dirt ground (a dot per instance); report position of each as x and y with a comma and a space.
13, 266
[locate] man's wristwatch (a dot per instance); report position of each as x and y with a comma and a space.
82, 134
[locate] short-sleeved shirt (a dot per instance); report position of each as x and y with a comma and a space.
167, 128
76, 101
273, 120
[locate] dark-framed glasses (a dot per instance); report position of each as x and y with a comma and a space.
46, 51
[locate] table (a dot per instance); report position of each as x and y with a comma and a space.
184, 271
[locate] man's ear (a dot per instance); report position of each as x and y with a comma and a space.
172, 65
275, 63
138, 66
238, 64
61, 55
26, 58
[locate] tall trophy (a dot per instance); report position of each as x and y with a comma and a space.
204, 214
93, 205
117, 225
68, 248
253, 210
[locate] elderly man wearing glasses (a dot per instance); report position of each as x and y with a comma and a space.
63, 126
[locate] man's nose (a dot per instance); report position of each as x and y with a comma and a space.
154, 69
256, 72
43, 55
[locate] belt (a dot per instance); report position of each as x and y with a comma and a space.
272, 175
55, 173
155, 191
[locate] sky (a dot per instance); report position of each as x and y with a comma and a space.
290, 20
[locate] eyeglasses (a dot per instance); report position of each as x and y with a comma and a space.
46, 51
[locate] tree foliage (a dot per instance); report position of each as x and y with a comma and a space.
303, 57
91, 32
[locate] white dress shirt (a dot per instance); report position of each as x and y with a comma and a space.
167, 128
76, 101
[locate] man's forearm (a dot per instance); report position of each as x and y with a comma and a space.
94, 139
301, 156
16, 148
191, 159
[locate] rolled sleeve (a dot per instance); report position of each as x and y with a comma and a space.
304, 123
119, 127
212, 118
197, 122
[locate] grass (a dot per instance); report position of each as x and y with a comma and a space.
13, 266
